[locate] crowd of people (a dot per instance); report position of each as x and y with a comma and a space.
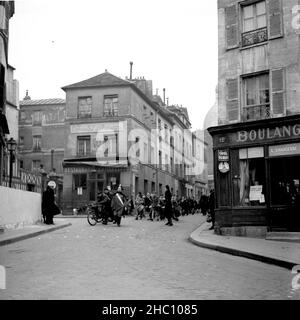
113, 205
152, 207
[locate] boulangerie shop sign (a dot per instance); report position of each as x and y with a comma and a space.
268, 133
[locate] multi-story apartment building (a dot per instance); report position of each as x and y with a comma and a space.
41, 134
117, 133
257, 142
7, 9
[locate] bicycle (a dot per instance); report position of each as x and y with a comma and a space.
94, 214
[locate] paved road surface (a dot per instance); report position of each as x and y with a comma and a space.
139, 260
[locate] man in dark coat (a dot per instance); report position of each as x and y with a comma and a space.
49, 208
211, 203
168, 207
105, 200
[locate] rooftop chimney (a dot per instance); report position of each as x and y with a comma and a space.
131, 63
27, 97
164, 90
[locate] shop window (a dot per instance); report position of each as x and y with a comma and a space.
250, 189
285, 181
79, 181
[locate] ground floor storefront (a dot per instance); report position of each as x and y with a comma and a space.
257, 176
84, 180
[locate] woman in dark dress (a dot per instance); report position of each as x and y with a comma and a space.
49, 208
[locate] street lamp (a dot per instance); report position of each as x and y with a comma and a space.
11, 147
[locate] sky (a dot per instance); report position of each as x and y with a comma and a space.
174, 43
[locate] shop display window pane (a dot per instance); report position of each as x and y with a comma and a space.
251, 183
285, 181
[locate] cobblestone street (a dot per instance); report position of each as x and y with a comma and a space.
140, 260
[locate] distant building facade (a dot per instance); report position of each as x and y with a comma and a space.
118, 133
41, 134
257, 142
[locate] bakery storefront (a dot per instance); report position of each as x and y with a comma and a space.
257, 176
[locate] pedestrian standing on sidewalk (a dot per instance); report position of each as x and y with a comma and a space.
49, 208
168, 206
211, 203
118, 205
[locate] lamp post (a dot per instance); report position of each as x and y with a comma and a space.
11, 147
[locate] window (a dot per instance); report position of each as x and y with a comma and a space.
79, 180
84, 107
285, 180
36, 165
159, 159
256, 97
111, 142
159, 124
250, 190
254, 23
83, 145
137, 153
111, 106
37, 143
37, 118
145, 152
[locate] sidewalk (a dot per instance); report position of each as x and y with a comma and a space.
283, 254
11, 236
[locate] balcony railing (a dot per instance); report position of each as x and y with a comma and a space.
254, 37
256, 112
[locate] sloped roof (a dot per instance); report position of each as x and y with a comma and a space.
102, 80
42, 102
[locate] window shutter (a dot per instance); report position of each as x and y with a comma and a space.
278, 92
232, 101
231, 22
275, 19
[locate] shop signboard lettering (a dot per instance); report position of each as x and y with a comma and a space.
223, 155
268, 133
284, 149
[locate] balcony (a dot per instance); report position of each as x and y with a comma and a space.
254, 37
256, 112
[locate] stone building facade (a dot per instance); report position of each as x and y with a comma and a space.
118, 133
257, 142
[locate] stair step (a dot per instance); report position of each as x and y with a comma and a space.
283, 236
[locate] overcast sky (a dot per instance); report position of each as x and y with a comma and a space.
171, 42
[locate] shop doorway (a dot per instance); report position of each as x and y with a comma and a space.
285, 193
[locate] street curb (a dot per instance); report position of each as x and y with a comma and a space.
245, 254
33, 234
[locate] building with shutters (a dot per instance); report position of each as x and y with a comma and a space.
257, 140
118, 132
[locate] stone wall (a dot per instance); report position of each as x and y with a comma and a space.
19, 208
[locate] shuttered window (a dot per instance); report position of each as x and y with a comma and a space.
231, 21
232, 101
278, 92
275, 19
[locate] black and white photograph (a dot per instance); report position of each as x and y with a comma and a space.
149, 151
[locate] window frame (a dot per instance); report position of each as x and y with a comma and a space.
114, 106
37, 143
79, 113
84, 139
243, 103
